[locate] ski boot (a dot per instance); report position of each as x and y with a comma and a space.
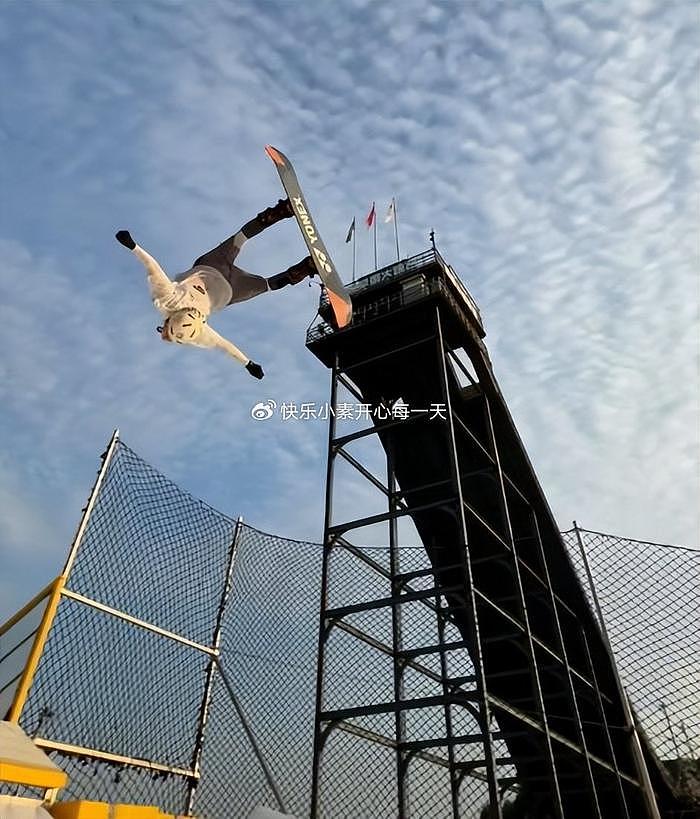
268, 217
282, 210
293, 275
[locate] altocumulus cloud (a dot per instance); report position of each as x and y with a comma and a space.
549, 145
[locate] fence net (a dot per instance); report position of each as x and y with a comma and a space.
157, 720
649, 595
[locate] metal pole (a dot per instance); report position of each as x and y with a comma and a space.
562, 647
209, 682
480, 674
394, 568
534, 671
77, 540
455, 778
691, 745
322, 629
251, 738
135, 621
670, 730
37, 649
83, 752
375, 234
354, 231
45, 592
396, 229
636, 746
605, 726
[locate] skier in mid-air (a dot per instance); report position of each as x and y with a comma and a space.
212, 283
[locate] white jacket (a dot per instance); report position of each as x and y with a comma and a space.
204, 289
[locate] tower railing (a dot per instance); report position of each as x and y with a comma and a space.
367, 306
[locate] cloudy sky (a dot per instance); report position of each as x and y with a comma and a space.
552, 146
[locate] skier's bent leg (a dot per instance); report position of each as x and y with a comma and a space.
267, 217
292, 275
223, 256
245, 285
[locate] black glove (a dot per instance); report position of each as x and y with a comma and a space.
254, 369
124, 237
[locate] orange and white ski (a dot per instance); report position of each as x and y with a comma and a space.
338, 296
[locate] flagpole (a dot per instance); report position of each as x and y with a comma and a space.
353, 249
375, 235
351, 235
396, 228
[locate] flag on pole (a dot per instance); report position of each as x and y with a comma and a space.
390, 212
351, 231
392, 215
369, 220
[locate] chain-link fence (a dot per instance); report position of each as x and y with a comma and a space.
649, 595
129, 694
268, 648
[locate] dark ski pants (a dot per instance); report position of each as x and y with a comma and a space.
244, 285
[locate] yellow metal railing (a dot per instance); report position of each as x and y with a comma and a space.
53, 593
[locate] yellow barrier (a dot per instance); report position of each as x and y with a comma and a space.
101, 810
22, 763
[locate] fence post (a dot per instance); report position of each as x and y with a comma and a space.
57, 588
37, 650
630, 725
78, 539
209, 684
251, 738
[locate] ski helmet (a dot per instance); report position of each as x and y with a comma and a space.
184, 325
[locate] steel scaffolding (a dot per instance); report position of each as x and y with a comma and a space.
547, 717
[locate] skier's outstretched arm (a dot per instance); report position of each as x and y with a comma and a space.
210, 338
160, 285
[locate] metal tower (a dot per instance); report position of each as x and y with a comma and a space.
499, 672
